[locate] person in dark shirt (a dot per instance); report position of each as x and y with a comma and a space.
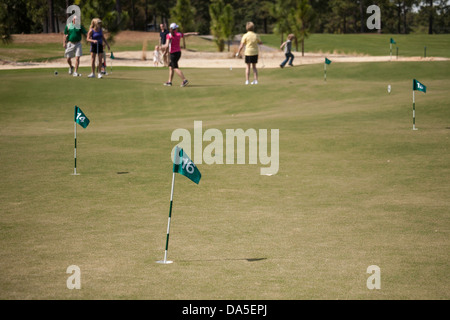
162, 41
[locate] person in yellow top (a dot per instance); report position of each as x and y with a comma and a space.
251, 41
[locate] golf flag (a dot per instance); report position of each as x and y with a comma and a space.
325, 68
112, 58
419, 87
81, 118
390, 46
83, 121
184, 166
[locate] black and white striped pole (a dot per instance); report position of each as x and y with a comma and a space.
419, 87
75, 151
81, 119
165, 261
414, 110
176, 161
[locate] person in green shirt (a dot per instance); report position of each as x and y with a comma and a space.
72, 44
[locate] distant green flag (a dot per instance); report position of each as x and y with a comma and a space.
392, 41
184, 166
80, 118
327, 61
418, 86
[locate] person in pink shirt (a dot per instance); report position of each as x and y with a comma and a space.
173, 43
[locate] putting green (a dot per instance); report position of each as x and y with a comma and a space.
356, 186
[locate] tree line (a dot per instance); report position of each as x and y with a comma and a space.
223, 18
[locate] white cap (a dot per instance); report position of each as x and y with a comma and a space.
173, 26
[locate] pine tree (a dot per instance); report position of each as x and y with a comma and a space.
183, 13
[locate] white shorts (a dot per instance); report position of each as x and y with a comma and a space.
73, 50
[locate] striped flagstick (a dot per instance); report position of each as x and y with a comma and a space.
81, 119
176, 161
391, 42
165, 261
111, 58
390, 45
419, 87
414, 110
327, 61
184, 166
75, 151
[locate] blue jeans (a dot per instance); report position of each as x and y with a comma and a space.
289, 56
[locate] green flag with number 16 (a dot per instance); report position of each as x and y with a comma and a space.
184, 166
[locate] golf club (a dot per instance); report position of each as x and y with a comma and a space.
262, 59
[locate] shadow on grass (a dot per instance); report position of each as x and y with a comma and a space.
226, 259
201, 85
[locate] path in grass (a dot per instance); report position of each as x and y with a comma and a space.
136, 49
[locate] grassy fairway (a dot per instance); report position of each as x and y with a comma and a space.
411, 45
356, 186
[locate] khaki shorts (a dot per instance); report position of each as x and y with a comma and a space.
73, 50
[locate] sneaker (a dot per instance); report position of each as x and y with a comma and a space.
168, 84
281, 66
185, 83
100, 76
75, 74
91, 75
246, 82
70, 70
291, 65
255, 82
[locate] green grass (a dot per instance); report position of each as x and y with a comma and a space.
411, 45
31, 52
356, 186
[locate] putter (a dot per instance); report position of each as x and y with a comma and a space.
99, 64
